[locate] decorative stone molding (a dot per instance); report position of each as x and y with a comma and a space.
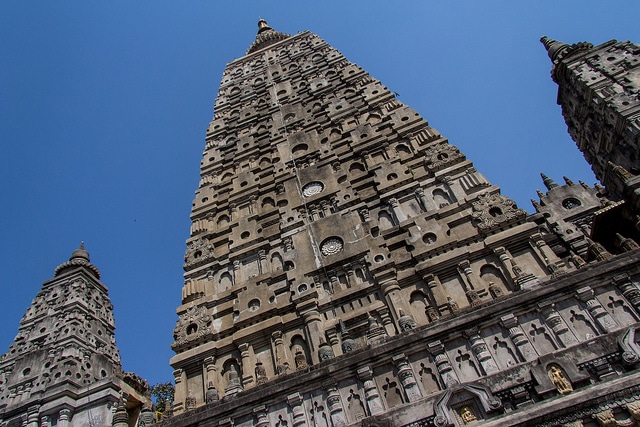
192, 325
495, 210
442, 155
199, 251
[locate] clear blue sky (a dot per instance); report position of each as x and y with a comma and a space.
104, 106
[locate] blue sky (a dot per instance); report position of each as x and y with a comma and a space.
104, 106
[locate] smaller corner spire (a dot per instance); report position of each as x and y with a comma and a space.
553, 47
548, 182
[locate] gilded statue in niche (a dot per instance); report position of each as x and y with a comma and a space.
559, 380
467, 415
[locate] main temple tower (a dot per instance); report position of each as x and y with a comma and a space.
346, 262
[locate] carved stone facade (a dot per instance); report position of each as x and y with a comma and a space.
348, 266
63, 367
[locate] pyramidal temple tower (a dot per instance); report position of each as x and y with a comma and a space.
63, 368
347, 265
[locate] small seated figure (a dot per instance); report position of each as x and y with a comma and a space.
467, 415
300, 360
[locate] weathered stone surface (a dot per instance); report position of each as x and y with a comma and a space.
356, 269
63, 367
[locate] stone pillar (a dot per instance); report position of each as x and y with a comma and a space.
445, 370
263, 265
334, 402
247, 376
44, 422
315, 331
629, 290
237, 272
407, 379
507, 267
299, 417
212, 373
262, 420
397, 210
64, 417
281, 355
393, 296
421, 198
467, 274
33, 415
518, 337
479, 348
545, 253
180, 393
335, 282
374, 403
598, 313
557, 324
387, 321
432, 285
232, 212
334, 341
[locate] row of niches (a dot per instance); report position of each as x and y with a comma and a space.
466, 357
332, 281
263, 105
292, 51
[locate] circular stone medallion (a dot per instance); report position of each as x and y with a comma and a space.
331, 246
312, 188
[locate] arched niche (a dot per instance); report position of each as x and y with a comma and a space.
276, 262
356, 168
300, 352
385, 220
441, 198
268, 203
419, 303
225, 282
493, 277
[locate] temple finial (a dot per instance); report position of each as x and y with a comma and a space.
553, 47
548, 182
263, 25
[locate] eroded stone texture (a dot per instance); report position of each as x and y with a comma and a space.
348, 266
63, 367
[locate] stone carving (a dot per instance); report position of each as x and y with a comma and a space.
375, 333
467, 415
234, 385
261, 373
192, 325
190, 401
606, 418
325, 351
348, 344
312, 188
331, 246
453, 306
198, 252
442, 155
211, 395
300, 360
406, 322
559, 380
492, 210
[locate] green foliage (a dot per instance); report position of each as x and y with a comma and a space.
162, 395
